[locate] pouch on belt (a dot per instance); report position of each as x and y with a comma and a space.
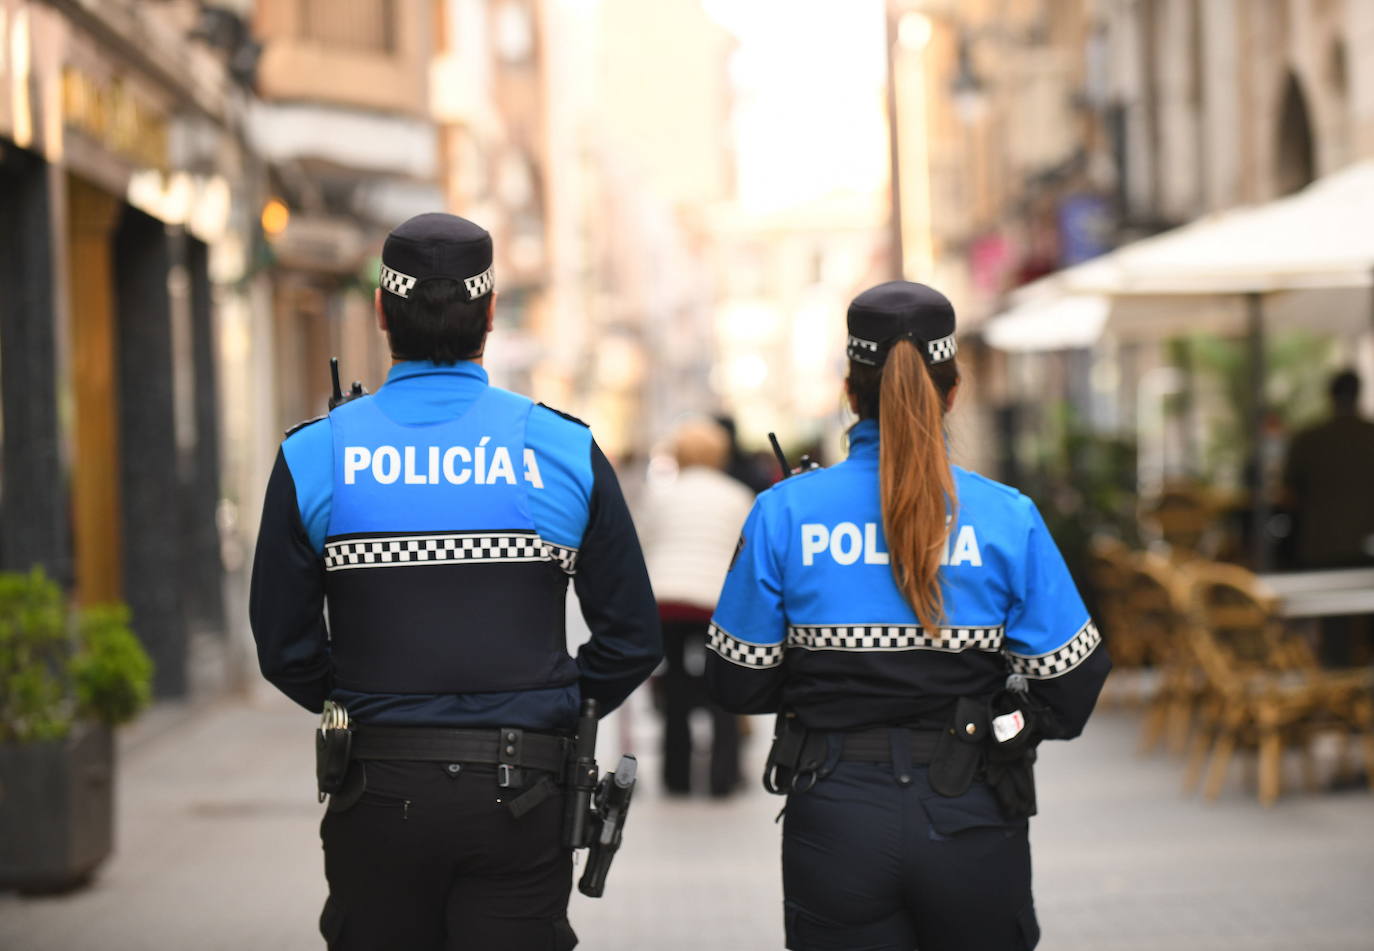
959, 750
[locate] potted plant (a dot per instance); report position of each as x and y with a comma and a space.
66, 678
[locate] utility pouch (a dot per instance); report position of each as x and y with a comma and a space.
796, 760
333, 747
1015, 721
959, 750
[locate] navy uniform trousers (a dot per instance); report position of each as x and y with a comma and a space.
431, 859
873, 859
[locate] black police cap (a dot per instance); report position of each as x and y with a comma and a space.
901, 310
437, 245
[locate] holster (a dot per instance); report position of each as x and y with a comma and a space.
332, 751
797, 758
959, 750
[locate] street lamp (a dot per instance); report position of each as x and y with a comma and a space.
968, 88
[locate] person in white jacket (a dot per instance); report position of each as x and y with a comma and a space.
690, 526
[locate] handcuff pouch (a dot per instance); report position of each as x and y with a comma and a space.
332, 748
959, 750
797, 758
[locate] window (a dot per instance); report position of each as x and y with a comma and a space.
364, 25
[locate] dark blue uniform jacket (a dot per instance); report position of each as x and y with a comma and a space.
415, 551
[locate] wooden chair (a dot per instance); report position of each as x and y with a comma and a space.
1157, 596
1264, 691
1110, 566
1183, 516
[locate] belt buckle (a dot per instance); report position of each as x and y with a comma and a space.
504, 775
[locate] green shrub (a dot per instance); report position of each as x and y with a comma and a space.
111, 674
58, 667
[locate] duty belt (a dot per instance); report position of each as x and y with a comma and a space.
508, 748
875, 746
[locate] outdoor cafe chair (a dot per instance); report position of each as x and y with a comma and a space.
1110, 569
1265, 691
1156, 603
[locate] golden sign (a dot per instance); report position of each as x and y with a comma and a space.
111, 115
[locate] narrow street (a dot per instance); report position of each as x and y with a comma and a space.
217, 848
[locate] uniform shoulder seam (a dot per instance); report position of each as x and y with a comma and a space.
568, 416
781, 486
1015, 493
302, 424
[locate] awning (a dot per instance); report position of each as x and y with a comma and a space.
1321, 237
1311, 254
1058, 322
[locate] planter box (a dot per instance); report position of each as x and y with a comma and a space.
56, 810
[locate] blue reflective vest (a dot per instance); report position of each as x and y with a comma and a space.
438, 580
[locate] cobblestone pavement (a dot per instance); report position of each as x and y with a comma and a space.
217, 848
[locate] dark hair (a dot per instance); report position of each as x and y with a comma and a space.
437, 322
1345, 389
907, 398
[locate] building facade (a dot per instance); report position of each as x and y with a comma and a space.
126, 192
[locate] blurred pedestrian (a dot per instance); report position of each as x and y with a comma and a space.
742, 465
916, 629
1329, 483
690, 526
1328, 475
440, 521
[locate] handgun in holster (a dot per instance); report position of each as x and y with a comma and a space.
595, 809
612, 806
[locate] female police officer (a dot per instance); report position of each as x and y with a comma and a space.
880, 605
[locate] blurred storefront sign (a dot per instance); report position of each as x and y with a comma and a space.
113, 114
990, 262
1085, 228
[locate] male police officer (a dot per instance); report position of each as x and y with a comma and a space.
441, 519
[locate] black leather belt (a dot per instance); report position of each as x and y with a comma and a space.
506, 747
875, 746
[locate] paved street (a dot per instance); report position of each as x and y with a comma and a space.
218, 849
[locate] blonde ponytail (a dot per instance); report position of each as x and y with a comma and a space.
916, 484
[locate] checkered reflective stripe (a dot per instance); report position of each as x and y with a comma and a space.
736, 651
479, 284
943, 349
1056, 662
566, 557
397, 283
411, 550
863, 351
877, 637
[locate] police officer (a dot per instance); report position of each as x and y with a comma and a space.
440, 521
881, 606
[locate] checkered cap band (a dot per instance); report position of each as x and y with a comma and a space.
1057, 662
404, 551
872, 353
742, 653
863, 351
397, 283
479, 284
879, 637
938, 351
